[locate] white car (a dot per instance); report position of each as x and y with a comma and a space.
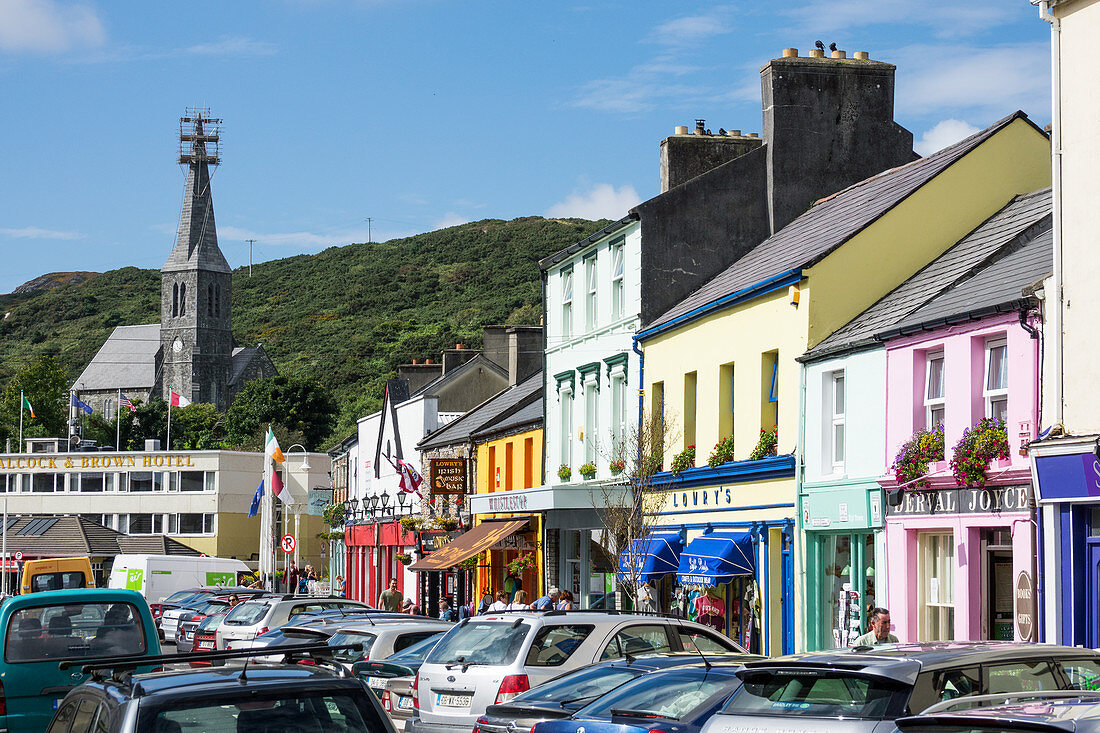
490, 659
170, 619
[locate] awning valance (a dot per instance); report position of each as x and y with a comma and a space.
716, 558
465, 546
650, 557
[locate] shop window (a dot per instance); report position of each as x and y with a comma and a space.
618, 285
836, 422
553, 645
636, 640
565, 397
691, 385
934, 406
769, 372
725, 401
528, 462
936, 574
590, 285
567, 303
996, 379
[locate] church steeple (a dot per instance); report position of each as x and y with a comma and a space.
196, 337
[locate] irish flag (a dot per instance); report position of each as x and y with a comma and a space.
177, 400
273, 456
27, 406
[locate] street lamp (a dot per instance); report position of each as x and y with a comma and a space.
374, 507
401, 501
304, 466
385, 501
349, 508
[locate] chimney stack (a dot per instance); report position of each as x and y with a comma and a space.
685, 156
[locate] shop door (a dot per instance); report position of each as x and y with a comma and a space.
1092, 570
1000, 597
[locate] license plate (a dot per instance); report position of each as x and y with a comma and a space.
376, 682
404, 703
460, 700
205, 645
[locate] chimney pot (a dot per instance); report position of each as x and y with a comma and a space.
460, 346
735, 133
700, 126
415, 362
817, 53
838, 54
753, 134
862, 55
680, 130
790, 53
428, 361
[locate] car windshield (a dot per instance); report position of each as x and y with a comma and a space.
210, 623
818, 694
211, 606
480, 642
246, 614
249, 712
182, 596
418, 652
340, 638
674, 694
587, 683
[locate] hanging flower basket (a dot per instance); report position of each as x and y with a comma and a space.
980, 444
411, 524
911, 462
404, 558
445, 523
767, 445
564, 472
520, 564
588, 470
617, 466
683, 460
722, 453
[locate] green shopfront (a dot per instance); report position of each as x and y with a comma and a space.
842, 523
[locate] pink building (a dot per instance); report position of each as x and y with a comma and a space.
962, 559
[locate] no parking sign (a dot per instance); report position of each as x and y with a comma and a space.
288, 543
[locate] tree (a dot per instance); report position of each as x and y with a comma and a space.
297, 404
46, 385
626, 507
195, 427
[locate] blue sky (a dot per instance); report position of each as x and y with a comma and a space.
423, 113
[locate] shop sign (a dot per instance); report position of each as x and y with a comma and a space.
514, 542
508, 503
448, 476
1073, 476
981, 500
433, 539
1025, 606
317, 501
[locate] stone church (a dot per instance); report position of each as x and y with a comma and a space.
191, 350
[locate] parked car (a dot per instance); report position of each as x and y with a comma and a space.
252, 699
868, 687
681, 699
490, 659
188, 595
1054, 711
563, 696
204, 606
258, 616
392, 678
378, 638
204, 636
39, 630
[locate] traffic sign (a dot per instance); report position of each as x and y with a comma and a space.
288, 543
18, 554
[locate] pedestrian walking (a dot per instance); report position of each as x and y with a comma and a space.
547, 602
520, 602
391, 599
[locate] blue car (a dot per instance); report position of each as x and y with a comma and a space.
678, 700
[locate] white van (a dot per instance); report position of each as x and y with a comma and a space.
158, 576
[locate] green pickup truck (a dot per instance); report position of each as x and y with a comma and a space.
39, 630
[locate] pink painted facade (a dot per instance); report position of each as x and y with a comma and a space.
955, 555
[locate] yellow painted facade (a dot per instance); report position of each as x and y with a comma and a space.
506, 464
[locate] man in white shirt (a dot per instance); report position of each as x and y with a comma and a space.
500, 604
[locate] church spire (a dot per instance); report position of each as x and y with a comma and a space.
197, 237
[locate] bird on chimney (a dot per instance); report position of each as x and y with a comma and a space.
721, 131
820, 45
832, 46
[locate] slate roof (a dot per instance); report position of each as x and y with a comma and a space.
75, 536
494, 409
197, 236
242, 357
997, 288
547, 262
478, 361
529, 416
1021, 220
827, 225
127, 359
154, 544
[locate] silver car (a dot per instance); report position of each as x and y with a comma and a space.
490, 659
250, 619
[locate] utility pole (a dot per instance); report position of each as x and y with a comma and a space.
250, 243
369, 240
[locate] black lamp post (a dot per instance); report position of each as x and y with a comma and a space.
401, 501
385, 501
374, 507
350, 507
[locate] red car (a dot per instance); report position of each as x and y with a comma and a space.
204, 637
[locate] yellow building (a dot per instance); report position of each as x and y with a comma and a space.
722, 363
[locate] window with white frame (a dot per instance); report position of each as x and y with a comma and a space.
590, 284
567, 303
934, 404
836, 419
618, 410
996, 379
565, 399
936, 580
591, 419
618, 285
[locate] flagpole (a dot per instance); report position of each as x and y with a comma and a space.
4, 552
19, 449
168, 447
118, 420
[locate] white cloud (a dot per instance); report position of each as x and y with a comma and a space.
47, 26
601, 201
984, 82
947, 132
304, 240
450, 219
945, 18
39, 233
233, 46
692, 28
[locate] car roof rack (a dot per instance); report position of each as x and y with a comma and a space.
130, 662
609, 612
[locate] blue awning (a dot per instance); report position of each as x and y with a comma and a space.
650, 557
716, 558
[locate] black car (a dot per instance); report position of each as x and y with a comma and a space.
242, 699
562, 696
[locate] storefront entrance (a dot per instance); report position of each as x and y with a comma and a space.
847, 590
997, 608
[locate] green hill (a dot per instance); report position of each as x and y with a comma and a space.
346, 316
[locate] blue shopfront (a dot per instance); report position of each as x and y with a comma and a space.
1066, 472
